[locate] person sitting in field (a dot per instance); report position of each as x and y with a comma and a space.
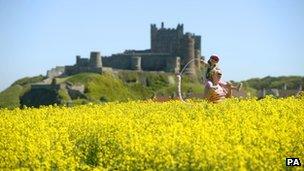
217, 90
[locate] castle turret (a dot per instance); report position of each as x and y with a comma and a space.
189, 54
180, 31
95, 59
153, 37
78, 57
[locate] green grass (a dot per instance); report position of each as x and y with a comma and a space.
28, 80
124, 85
139, 91
63, 94
159, 83
106, 85
9, 98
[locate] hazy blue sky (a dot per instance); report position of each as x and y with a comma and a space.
254, 38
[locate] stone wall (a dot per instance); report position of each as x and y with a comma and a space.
136, 63
82, 61
155, 62
45, 86
71, 70
143, 61
118, 61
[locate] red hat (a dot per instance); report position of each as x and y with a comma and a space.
215, 57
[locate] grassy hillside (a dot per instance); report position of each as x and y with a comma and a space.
276, 82
120, 86
105, 86
161, 83
28, 80
131, 85
9, 98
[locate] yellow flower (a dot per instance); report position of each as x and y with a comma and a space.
146, 135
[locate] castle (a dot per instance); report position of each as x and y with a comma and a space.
171, 49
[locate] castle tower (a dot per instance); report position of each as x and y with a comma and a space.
153, 33
180, 30
78, 57
189, 53
95, 59
166, 40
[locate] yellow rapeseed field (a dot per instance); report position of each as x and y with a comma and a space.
233, 135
